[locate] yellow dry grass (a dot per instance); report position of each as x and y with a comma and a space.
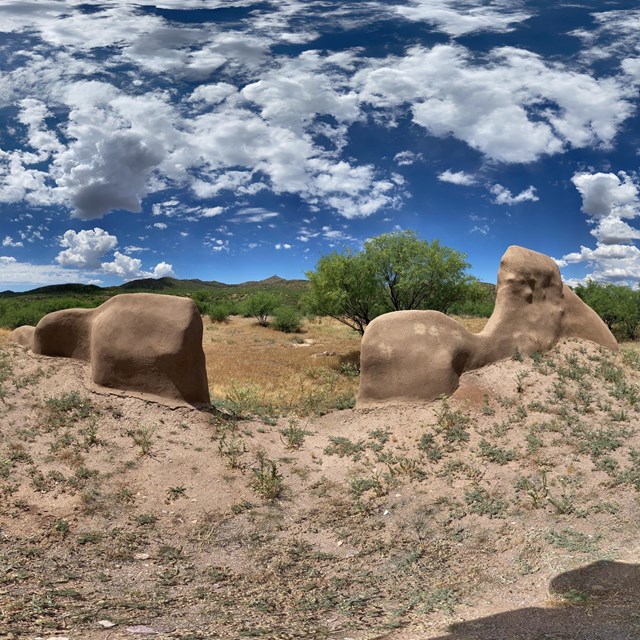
475, 325
4, 335
279, 369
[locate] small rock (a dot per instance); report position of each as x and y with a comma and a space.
106, 624
141, 556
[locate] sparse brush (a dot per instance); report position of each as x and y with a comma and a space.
535, 488
65, 410
267, 480
173, 493
452, 424
293, 436
143, 437
520, 378
232, 448
244, 400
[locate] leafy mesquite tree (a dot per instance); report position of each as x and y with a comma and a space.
394, 271
618, 306
261, 305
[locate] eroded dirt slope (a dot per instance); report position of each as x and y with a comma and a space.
508, 511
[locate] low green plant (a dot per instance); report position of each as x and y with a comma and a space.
144, 519
428, 444
343, 447
267, 481
143, 437
287, 319
495, 454
573, 541
173, 493
232, 448
520, 378
452, 424
65, 410
481, 502
293, 435
535, 488
219, 312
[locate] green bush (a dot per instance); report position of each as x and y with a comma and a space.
202, 300
219, 312
261, 305
18, 311
287, 319
618, 306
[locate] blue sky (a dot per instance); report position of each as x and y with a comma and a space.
233, 140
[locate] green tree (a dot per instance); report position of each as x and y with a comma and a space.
344, 287
416, 274
261, 305
394, 271
287, 319
618, 306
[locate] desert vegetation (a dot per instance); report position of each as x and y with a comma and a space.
281, 512
264, 520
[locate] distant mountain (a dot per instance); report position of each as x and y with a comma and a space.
273, 281
156, 284
58, 289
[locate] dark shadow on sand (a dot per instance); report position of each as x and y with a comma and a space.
601, 601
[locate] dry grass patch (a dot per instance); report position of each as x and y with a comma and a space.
267, 371
280, 372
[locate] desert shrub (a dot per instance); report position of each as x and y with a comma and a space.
618, 306
474, 308
287, 319
18, 311
202, 300
261, 305
219, 312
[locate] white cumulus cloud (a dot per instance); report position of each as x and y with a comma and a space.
85, 248
458, 177
504, 196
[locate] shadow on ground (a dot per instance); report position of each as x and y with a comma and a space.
601, 601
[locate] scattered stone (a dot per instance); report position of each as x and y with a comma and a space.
106, 624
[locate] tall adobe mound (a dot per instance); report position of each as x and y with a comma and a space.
141, 342
416, 356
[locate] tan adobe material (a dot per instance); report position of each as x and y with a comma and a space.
140, 342
23, 336
417, 356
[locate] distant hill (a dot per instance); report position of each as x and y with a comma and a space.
158, 285
57, 290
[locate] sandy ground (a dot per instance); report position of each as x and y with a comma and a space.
510, 511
